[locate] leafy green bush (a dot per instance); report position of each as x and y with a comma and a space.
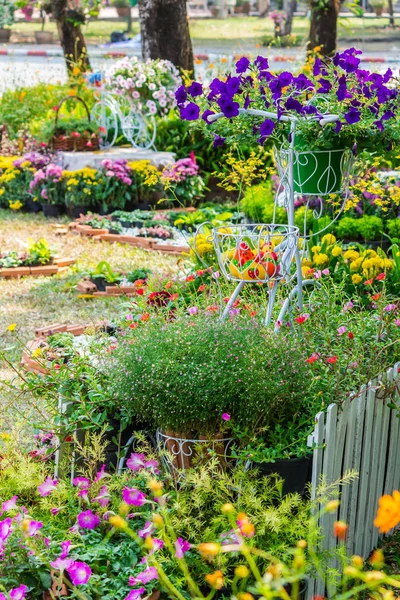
258, 204
393, 227
183, 375
369, 227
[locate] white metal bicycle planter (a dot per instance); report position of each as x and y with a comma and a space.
271, 248
114, 113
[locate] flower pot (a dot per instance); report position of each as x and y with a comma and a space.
51, 210
31, 206
295, 473
5, 35
180, 450
76, 211
317, 173
100, 282
44, 37
123, 11
378, 10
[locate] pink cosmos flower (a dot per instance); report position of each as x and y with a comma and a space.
65, 549
47, 487
225, 416
136, 462
103, 497
349, 305
62, 564
342, 330
101, 474
148, 575
181, 546
133, 497
88, 520
81, 482
5, 528
10, 504
79, 573
135, 594
33, 527
325, 271
147, 530
18, 593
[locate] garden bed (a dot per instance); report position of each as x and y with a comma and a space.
38, 271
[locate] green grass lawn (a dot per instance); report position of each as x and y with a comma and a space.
226, 32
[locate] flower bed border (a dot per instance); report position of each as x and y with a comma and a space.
87, 287
41, 270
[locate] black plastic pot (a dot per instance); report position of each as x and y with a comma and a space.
31, 206
100, 209
100, 282
126, 224
294, 471
76, 211
52, 210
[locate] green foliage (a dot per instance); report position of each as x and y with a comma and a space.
258, 204
393, 227
368, 227
185, 374
282, 41
39, 253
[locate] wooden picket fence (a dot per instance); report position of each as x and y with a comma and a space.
363, 435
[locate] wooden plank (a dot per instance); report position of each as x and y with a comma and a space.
343, 419
396, 481
348, 461
363, 527
318, 586
392, 467
354, 507
328, 519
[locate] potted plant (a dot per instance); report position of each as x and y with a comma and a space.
364, 104
378, 6
189, 377
80, 190
103, 275
42, 36
47, 185
123, 7
7, 18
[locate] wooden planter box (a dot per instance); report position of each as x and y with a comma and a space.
41, 270
44, 270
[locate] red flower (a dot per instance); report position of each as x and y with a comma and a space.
368, 282
190, 278
202, 287
253, 313
200, 272
57, 366
102, 129
140, 292
133, 325
159, 299
351, 335
226, 300
340, 530
76, 134
376, 296
145, 317
312, 358
381, 277
300, 320
331, 360
168, 284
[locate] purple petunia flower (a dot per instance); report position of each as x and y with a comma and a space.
261, 63
195, 89
9, 505
180, 95
88, 520
135, 594
207, 113
81, 482
79, 573
33, 527
133, 497
65, 546
18, 593
47, 487
148, 529
146, 576
101, 474
218, 141
103, 497
190, 112
352, 116
267, 127
242, 64
228, 107
136, 462
5, 528
181, 546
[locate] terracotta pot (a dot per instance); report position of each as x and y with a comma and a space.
5, 35
44, 37
378, 10
123, 11
44, 270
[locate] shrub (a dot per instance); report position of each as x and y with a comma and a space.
183, 375
368, 227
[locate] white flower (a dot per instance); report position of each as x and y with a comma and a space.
152, 86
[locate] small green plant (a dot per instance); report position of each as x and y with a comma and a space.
39, 253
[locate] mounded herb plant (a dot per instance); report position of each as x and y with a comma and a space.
183, 375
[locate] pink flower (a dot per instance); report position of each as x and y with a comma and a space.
5, 529
18, 593
54, 511
79, 573
136, 462
181, 546
65, 549
133, 497
103, 497
156, 545
147, 530
216, 275
10, 504
33, 527
397, 322
347, 306
153, 465
88, 520
342, 330
101, 474
148, 575
84, 494
81, 482
325, 271
193, 310
135, 594
47, 487
390, 307
225, 416
61, 564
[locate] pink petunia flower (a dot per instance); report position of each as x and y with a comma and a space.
81, 482
79, 573
342, 330
47, 487
101, 474
148, 529
33, 527
145, 577
65, 546
18, 593
10, 504
135, 594
103, 497
136, 462
62, 564
225, 416
88, 520
181, 546
5, 529
133, 497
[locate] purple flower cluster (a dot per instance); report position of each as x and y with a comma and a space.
36, 160
183, 168
45, 177
352, 93
118, 169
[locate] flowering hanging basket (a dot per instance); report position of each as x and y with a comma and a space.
75, 142
256, 253
317, 173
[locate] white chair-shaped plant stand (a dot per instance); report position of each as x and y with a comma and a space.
271, 253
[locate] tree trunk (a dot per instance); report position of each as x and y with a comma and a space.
69, 21
165, 33
263, 7
323, 28
289, 8
391, 13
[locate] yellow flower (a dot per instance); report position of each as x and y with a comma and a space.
321, 259
37, 352
242, 571
209, 549
12, 327
117, 522
356, 279
329, 238
350, 255
16, 205
316, 249
5, 436
76, 71
22, 96
336, 251
216, 580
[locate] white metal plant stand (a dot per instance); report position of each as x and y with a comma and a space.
114, 113
264, 253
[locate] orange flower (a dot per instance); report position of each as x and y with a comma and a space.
216, 580
202, 287
388, 514
145, 317
340, 530
209, 550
